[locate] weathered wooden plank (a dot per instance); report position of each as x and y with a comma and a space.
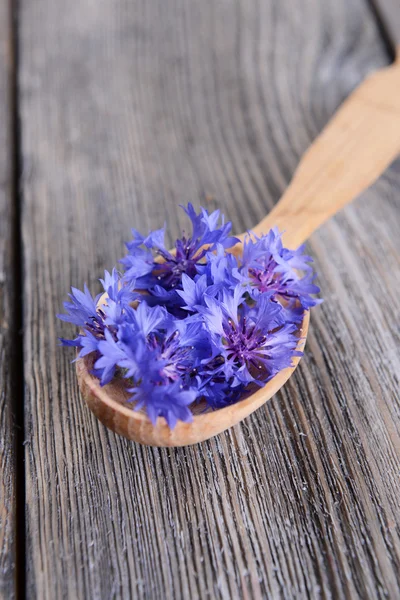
388, 12
7, 322
127, 110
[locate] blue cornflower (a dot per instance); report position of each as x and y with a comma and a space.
94, 319
266, 266
121, 292
87, 343
82, 311
169, 401
193, 290
111, 356
162, 277
250, 343
220, 268
217, 391
154, 351
126, 347
218, 273
196, 324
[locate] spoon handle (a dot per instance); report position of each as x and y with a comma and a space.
355, 148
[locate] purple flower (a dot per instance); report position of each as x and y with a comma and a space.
220, 268
168, 401
250, 343
111, 355
146, 320
94, 319
82, 311
88, 343
121, 292
218, 393
196, 324
267, 266
154, 350
193, 291
163, 277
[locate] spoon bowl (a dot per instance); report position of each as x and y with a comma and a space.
109, 404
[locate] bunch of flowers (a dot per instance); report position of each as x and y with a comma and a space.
196, 324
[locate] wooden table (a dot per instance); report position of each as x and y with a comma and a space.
112, 113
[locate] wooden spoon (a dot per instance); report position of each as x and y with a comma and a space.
357, 145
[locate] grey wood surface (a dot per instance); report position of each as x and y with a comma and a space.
7, 329
127, 110
389, 13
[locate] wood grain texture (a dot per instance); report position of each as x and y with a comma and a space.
7, 340
355, 148
128, 109
388, 11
